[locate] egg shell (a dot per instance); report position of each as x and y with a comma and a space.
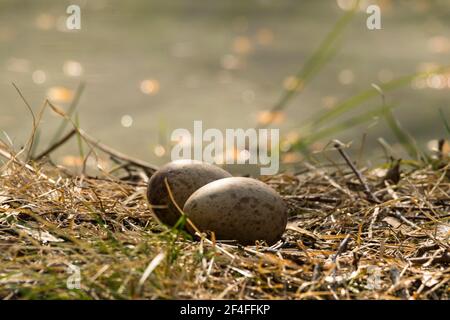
236, 208
184, 177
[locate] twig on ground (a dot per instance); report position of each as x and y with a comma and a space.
112, 152
371, 196
117, 154
56, 145
435, 258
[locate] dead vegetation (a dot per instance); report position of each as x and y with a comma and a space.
352, 234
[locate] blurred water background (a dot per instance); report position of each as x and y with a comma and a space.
150, 67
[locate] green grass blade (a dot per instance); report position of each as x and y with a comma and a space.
79, 138
346, 124
357, 100
408, 143
318, 59
37, 139
444, 120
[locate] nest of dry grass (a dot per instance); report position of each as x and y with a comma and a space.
80, 237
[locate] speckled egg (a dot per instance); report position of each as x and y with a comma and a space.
242, 209
184, 177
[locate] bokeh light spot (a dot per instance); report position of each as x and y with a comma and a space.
150, 87
39, 77
126, 121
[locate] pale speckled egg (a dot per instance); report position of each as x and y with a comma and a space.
184, 177
236, 208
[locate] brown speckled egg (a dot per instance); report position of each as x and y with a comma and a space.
241, 209
184, 177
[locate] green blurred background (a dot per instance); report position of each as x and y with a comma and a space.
150, 67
